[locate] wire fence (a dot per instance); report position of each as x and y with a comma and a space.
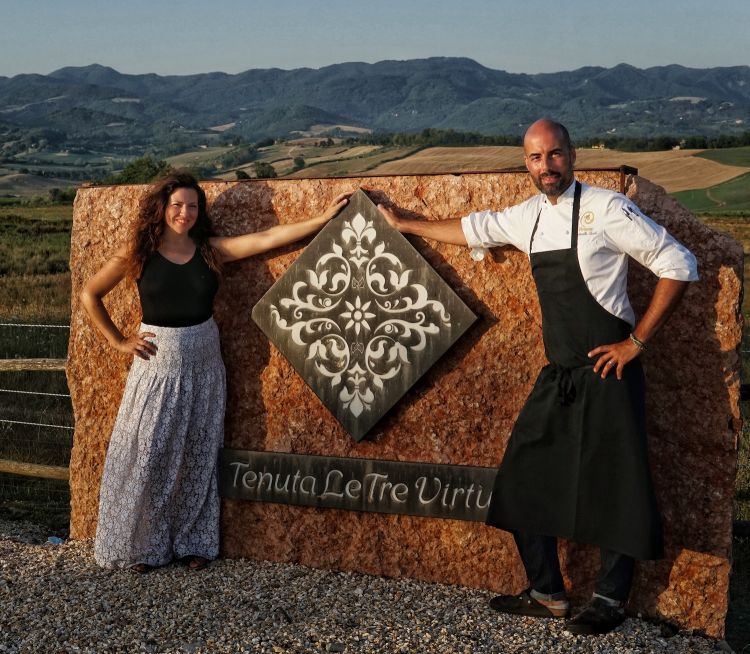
36, 425
30, 340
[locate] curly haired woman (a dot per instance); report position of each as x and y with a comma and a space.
159, 499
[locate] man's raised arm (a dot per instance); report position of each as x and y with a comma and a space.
446, 231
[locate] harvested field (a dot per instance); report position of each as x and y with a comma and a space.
332, 156
675, 170
443, 159
197, 157
357, 151
281, 165
367, 162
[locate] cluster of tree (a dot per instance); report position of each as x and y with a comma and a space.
659, 143
448, 137
263, 170
431, 137
237, 155
62, 195
139, 171
240, 153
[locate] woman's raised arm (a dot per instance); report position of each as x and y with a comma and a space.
232, 248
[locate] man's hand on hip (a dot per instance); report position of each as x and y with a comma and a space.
614, 357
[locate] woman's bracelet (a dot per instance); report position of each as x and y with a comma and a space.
638, 342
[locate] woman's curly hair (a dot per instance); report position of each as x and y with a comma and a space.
148, 230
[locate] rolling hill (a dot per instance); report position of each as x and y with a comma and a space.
97, 104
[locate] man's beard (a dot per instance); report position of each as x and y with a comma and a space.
553, 188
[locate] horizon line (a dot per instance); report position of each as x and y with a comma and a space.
367, 63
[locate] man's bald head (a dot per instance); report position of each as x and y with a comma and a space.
547, 125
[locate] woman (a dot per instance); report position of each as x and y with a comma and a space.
159, 498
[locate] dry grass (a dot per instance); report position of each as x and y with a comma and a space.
355, 165
35, 298
35, 244
197, 158
358, 151
675, 170
444, 159
281, 165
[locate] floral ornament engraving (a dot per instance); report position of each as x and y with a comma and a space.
358, 230
357, 315
360, 343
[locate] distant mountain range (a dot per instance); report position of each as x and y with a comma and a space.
98, 103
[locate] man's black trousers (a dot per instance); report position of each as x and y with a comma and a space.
539, 556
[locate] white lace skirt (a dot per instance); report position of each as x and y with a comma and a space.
159, 496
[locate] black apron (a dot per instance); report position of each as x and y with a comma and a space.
576, 465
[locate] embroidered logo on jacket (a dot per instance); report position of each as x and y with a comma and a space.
585, 222
630, 212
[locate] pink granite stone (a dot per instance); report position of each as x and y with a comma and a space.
460, 412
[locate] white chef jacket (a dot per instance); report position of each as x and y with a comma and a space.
610, 228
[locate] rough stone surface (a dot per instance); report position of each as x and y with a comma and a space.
460, 412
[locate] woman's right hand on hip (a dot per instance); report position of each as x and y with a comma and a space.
138, 346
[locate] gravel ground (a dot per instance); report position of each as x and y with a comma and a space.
53, 598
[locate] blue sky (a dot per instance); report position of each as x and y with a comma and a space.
141, 36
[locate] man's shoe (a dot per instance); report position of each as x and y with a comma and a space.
525, 604
596, 618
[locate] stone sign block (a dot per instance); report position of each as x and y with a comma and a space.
361, 316
459, 413
423, 489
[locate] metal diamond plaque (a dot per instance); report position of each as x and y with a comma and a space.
361, 315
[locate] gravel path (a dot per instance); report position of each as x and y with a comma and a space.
53, 598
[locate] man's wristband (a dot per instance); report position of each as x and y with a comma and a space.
638, 342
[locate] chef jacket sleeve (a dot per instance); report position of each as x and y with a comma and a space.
487, 229
629, 230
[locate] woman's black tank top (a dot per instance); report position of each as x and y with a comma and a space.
177, 295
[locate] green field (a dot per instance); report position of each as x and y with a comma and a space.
732, 197
728, 156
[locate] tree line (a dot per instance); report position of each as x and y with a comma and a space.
432, 137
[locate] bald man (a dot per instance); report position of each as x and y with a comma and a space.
576, 464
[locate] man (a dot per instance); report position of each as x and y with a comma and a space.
576, 464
